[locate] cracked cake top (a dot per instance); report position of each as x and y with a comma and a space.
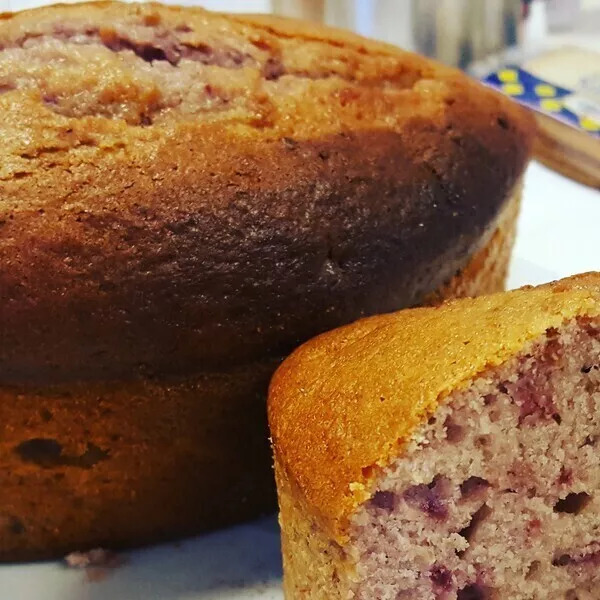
173, 180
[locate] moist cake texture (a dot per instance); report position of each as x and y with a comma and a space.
186, 196
500, 494
492, 492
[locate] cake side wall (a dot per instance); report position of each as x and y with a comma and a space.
487, 270
113, 406
221, 258
315, 566
121, 464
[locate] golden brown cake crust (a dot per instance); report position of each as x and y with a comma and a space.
184, 200
121, 464
144, 230
339, 410
94, 464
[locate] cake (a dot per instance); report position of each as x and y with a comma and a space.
445, 453
186, 197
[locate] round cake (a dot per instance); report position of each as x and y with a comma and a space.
185, 197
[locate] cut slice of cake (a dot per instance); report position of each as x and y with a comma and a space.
446, 453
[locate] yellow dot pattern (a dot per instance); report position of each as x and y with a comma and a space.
589, 124
530, 90
513, 89
551, 105
508, 76
545, 90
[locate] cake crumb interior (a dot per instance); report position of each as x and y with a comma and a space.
499, 494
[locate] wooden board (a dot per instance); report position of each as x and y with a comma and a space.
567, 149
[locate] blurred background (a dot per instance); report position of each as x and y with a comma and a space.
459, 32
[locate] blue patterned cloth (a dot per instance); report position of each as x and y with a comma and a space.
563, 104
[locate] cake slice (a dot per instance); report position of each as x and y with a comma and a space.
446, 453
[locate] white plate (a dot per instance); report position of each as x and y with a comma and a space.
558, 236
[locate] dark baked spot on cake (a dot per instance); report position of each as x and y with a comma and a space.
48, 453
367, 472
533, 569
45, 415
590, 440
503, 122
490, 399
12, 525
19, 175
37, 152
573, 503
562, 561
16, 526
262, 44
146, 51
145, 120
586, 556
92, 455
44, 452
482, 441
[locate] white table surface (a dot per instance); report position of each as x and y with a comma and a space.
559, 235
